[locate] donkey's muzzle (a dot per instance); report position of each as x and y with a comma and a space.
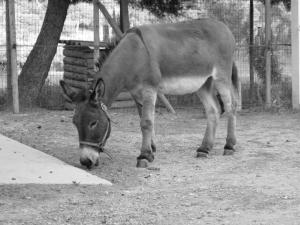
86, 162
89, 157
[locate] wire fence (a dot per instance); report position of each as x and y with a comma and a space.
235, 13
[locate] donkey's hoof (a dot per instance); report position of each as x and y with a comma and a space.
202, 152
142, 163
228, 151
146, 155
202, 155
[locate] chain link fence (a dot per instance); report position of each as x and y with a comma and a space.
235, 13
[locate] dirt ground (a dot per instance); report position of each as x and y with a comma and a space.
260, 184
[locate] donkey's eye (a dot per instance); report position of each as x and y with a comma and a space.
93, 124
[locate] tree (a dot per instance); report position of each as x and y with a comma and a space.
159, 7
287, 3
37, 65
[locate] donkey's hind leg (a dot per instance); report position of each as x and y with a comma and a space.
147, 126
212, 114
226, 94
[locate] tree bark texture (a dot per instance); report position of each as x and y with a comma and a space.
37, 65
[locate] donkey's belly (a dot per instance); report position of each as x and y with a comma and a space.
181, 85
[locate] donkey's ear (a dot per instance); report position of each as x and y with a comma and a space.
71, 94
98, 91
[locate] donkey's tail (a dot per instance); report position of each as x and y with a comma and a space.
236, 90
235, 78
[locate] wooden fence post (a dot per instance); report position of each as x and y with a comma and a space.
268, 51
12, 50
251, 52
8, 56
124, 16
106, 33
295, 54
96, 33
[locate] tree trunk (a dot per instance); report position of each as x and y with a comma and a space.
37, 65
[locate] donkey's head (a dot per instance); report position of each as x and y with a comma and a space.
91, 120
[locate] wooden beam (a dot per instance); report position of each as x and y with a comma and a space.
96, 34
268, 52
295, 54
109, 19
124, 16
8, 56
77, 76
78, 69
13, 55
89, 63
82, 43
251, 55
77, 54
77, 84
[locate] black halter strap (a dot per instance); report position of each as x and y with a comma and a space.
100, 145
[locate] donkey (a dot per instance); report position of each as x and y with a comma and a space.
176, 59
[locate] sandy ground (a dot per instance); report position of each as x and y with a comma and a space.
260, 184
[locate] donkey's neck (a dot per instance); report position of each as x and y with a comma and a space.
113, 78
117, 68
113, 87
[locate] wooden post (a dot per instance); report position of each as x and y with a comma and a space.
268, 52
105, 33
119, 34
109, 19
96, 33
295, 54
124, 17
251, 43
8, 56
12, 49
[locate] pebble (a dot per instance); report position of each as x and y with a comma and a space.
153, 168
147, 176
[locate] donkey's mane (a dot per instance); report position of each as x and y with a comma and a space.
112, 44
106, 52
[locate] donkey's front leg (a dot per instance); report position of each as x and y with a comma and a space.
147, 126
139, 108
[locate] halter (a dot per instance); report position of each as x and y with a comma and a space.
100, 145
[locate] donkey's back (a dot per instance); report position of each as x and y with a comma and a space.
187, 53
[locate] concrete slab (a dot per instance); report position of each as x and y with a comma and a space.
21, 164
